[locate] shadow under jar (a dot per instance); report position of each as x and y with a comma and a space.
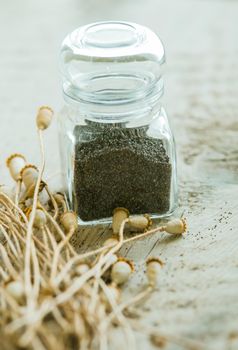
117, 149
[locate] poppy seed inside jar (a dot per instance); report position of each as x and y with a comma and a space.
119, 167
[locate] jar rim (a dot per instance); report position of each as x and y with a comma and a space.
112, 63
107, 38
124, 34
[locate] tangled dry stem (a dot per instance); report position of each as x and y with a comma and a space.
45, 304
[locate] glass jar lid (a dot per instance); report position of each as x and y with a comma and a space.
112, 63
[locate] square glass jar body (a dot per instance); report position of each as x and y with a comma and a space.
126, 162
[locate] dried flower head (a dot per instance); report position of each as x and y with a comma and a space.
119, 215
69, 221
176, 226
121, 270
16, 290
29, 175
113, 240
59, 197
16, 162
153, 268
81, 268
140, 222
44, 117
47, 286
40, 219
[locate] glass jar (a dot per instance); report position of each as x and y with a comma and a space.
117, 148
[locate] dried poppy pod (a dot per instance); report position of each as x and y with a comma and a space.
16, 290
140, 222
82, 268
111, 260
111, 241
16, 162
44, 117
69, 221
29, 175
59, 198
119, 215
40, 219
153, 268
121, 271
175, 226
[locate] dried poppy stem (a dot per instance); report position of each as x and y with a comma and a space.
49, 340
24, 320
10, 301
135, 299
94, 296
157, 229
114, 248
37, 344
60, 200
27, 336
9, 241
12, 271
78, 258
36, 269
10, 218
16, 241
12, 258
39, 243
5, 276
57, 253
77, 284
46, 244
18, 190
72, 289
55, 304
7, 199
59, 318
121, 318
51, 239
99, 273
27, 268
103, 342
55, 205
59, 231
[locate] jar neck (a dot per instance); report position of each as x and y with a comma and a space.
110, 112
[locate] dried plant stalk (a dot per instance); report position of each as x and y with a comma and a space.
51, 297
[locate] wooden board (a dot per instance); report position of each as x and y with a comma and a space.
197, 296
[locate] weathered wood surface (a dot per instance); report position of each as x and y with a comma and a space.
198, 294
